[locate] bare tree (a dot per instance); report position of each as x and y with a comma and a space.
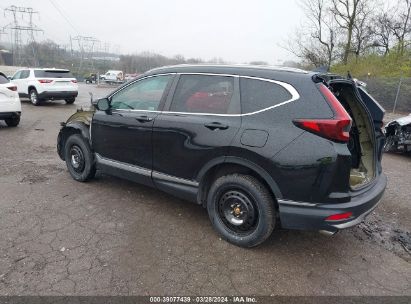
362, 30
400, 27
324, 32
315, 42
310, 51
381, 31
346, 14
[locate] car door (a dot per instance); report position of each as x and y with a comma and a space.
17, 81
122, 136
198, 124
24, 81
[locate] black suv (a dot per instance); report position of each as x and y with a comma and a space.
258, 147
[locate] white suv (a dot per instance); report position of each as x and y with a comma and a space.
44, 84
10, 106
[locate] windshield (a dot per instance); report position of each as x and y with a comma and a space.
3, 79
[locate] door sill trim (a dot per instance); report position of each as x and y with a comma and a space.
143, 171
123, 166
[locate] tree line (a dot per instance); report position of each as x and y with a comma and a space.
337, 31
50, 54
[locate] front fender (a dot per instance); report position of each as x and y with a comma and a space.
79, 123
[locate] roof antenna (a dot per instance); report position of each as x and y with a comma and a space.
349, 75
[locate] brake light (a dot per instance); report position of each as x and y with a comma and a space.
12, 88
337, 128
339, 216
74, 81
45, 80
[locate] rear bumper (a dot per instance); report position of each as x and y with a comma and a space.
6, 115
307, 216
57, 94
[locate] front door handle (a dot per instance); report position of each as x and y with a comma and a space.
216, 126
144, 118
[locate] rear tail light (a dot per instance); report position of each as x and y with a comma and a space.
74, 81
12, 88
45, 80
337, 128
339, 216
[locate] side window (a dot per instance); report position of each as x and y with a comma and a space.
17, 75
205, 94
258, 94
24, 74
145, 94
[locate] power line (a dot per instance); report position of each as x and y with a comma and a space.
86, 47
20, 57
64, 16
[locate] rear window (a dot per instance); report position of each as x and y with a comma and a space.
3, 79
258, 94
52, 74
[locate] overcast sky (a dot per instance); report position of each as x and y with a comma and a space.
235, 30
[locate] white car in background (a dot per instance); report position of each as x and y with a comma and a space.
113, 76
398, 135
46, 84
10, 106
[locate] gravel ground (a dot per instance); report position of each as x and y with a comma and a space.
113, 237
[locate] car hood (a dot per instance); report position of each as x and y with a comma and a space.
402, 121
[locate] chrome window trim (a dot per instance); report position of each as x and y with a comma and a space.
294, 96
144, 171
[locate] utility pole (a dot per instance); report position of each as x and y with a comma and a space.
397, 95
86, 46
2, 32
19, 56
104, 51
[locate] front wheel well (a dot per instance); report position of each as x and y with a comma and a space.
226, 169
64, 134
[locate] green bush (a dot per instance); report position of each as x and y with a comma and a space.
373, 65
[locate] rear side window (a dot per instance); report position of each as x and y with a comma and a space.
258, 94
3, 79
52, 74
205, 94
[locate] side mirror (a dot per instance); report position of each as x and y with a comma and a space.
103, 104
10, 77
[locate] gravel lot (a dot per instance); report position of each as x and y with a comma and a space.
113, 237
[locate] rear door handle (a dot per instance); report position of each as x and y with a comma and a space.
216, 125
144, 118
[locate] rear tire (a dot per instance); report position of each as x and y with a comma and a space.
241, 210
12, 122
34, 97
79, 158
70, 100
